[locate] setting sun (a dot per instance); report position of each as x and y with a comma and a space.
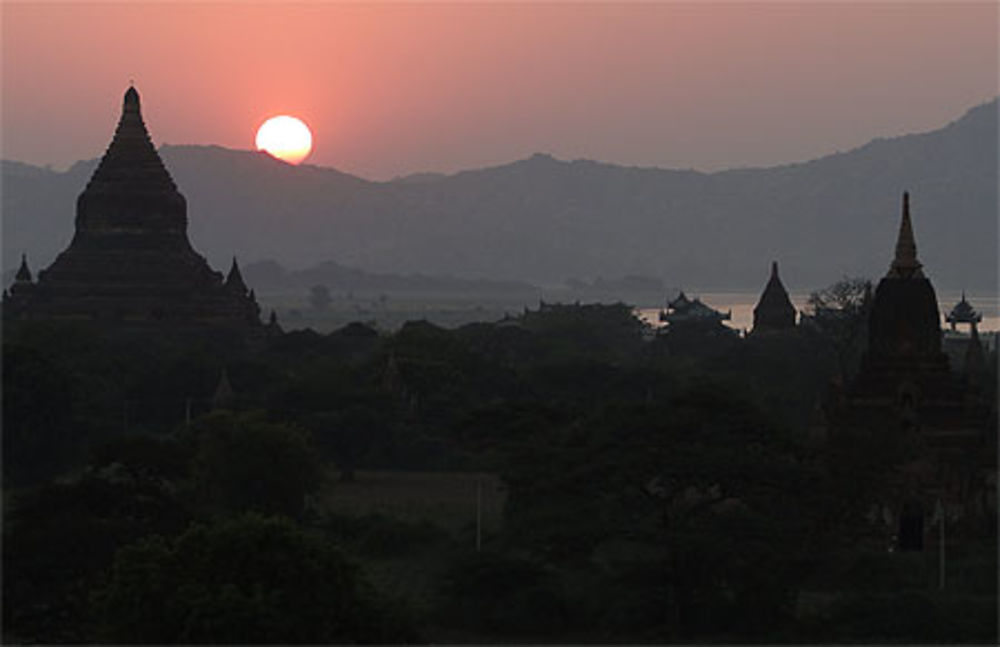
287, 138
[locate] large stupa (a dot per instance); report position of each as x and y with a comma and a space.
130, 260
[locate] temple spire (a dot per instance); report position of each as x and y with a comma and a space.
131, 101
235, 279
23, 273
905, 265
132, 167
774, 310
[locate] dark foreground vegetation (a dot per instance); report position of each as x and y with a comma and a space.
655, 492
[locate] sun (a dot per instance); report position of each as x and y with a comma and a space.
287, 138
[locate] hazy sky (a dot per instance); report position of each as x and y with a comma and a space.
392, 89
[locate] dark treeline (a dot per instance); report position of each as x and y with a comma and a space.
657, 490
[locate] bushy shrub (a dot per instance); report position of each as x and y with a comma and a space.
502, 595
248, 579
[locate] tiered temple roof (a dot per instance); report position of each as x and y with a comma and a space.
684, 310
130, 260
963, 312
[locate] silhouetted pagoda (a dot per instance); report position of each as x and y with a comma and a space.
130, 261
906, 390
774, 311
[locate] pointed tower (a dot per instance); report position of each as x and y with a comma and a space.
905, 324
23, 273
234, 280
131, 198
905, 392
774, 311
22, 289
130, 260
905, 264
273, 327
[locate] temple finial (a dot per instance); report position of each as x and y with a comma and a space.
774, 269
131, 101
905, 264
23, 273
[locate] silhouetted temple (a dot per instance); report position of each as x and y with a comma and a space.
684, 311
774, 311
130, 260
906, 390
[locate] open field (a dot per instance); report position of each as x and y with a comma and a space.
447, 500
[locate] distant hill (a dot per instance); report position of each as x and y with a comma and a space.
272, 276
543, 220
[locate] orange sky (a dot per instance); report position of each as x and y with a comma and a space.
398, 88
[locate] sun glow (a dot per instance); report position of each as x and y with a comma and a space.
287, 138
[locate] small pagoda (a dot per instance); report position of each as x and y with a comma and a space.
774, 312
130, 261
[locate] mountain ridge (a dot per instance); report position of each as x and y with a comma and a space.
541, 219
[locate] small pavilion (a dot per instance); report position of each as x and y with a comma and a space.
964, 313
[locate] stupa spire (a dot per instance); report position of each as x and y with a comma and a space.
905, 264
131, 192
131, 159
774, 310
23, 273
131, 101
234, 281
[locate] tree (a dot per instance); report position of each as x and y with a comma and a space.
243, 463
60, 539
840, 313
319, 297
698, 501
503, 595
849, 294
350, 433
249, 579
